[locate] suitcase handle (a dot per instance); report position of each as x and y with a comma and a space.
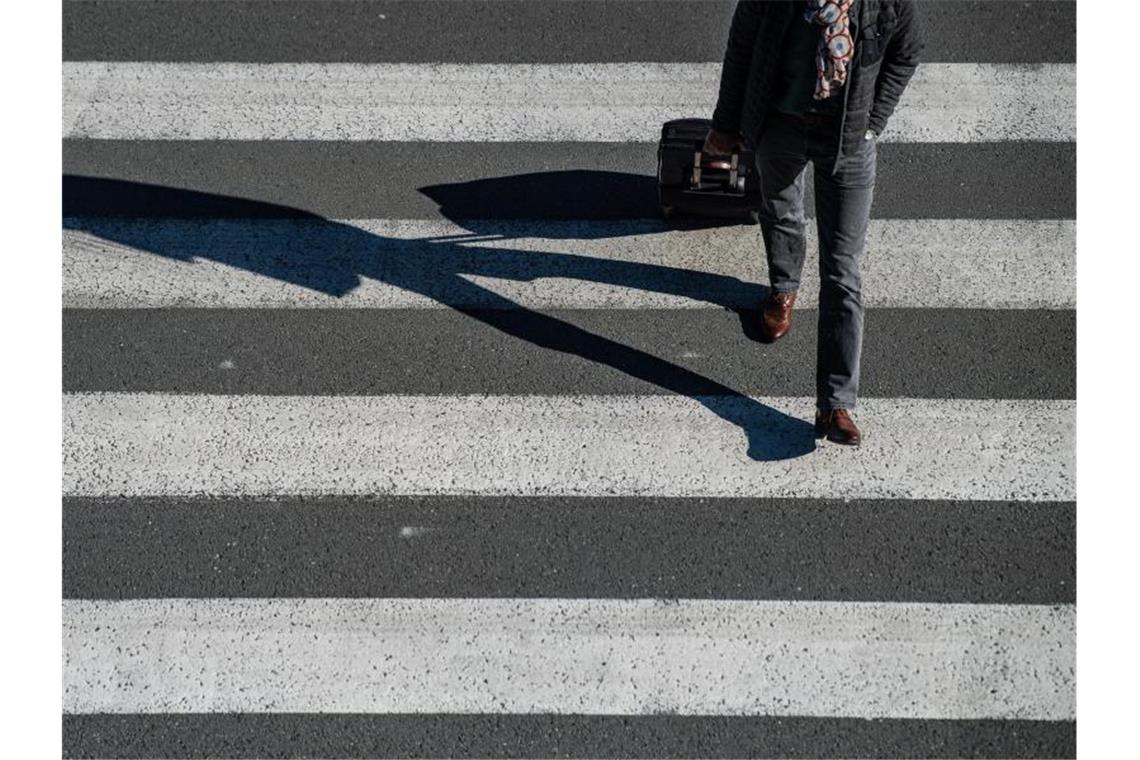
715, 163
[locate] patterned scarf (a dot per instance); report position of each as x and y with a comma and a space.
836, 48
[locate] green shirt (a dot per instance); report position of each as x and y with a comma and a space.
798, 74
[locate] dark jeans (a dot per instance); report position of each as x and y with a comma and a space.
842, 209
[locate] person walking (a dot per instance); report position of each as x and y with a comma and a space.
816, 80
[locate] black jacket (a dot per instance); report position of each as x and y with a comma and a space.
887, 49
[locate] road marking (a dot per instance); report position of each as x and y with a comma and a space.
580, 656
597, 102
156, 444
132, 263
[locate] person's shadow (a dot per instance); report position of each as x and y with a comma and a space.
332, 257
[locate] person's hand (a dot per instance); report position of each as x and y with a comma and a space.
720, 143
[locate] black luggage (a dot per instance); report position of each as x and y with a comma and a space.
689, 182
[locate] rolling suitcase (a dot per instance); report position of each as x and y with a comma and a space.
690, 183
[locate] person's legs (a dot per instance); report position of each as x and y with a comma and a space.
781, 160
843, 209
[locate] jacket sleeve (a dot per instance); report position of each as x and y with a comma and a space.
900, 59
737, 64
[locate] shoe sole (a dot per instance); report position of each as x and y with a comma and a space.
766, 337
845, 443
822, 434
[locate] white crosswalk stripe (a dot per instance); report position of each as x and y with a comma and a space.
952, 263
520, 102
348, 639
692, 657
140, 444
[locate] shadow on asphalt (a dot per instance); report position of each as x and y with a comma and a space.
296, 251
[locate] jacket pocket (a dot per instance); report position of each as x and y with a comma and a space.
873, 40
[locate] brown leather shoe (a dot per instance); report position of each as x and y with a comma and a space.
837, 426
776, 315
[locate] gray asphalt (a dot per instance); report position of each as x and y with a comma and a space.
356, 180
555, 736
920, 353
509, 31
591, 548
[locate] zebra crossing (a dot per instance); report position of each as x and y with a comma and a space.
397, 424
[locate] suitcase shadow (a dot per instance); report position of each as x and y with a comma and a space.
332, 257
